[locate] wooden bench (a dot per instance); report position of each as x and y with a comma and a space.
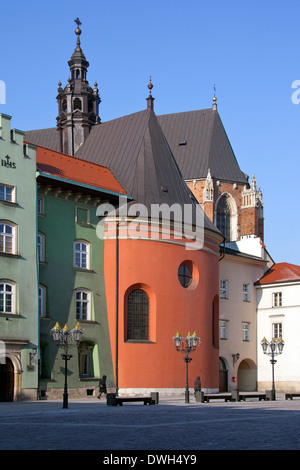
206, 397
290, 396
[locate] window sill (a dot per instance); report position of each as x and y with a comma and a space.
10, 255
139, 341
84, 270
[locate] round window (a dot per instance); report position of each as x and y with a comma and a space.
185, 273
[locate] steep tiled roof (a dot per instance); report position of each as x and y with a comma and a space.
77, 170
280, 272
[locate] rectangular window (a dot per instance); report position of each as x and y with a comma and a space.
223, 329
246, 332
40, 206
246, 292
82, 305
277, 299
81, 255
277, 330
224, 289
42, 301
41, 247
82, 216
7, 193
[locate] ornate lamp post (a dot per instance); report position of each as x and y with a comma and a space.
66, 338
186, 346
272, 349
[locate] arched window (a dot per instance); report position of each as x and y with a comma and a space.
82, 304
77, 103
7, 297
138, 315
225, 217
7, 238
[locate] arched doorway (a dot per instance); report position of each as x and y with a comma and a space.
223, 375
7, 381
247, 376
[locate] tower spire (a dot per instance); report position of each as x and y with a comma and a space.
78, 103
214, 99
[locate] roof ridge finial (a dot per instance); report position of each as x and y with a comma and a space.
78, 30
214, 99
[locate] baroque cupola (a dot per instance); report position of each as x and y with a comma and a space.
78, 102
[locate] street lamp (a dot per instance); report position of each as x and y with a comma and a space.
274, 348
186, 346
66, 338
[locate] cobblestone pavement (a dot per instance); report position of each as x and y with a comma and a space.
172, 425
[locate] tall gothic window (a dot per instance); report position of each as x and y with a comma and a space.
138, 315
224, 216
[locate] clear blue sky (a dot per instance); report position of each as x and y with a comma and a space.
248, 49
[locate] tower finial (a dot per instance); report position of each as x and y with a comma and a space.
214, 99
150, 98
78, 30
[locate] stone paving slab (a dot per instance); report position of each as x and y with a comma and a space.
172, 425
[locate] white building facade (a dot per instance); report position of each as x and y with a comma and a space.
278, 316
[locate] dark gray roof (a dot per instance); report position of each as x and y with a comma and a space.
197, 139
135, 149
199, 142
48, 138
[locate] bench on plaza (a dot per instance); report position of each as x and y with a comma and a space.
113, 400
290, 396
206, 397
242, 396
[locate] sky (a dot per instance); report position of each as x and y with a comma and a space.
248, 50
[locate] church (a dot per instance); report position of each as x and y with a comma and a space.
147, 232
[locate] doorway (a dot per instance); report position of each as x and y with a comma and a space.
7, 381
223, 375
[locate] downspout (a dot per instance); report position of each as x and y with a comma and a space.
117, 308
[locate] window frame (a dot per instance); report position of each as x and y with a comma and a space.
42, 292
277, 299
223, 329
12, 293
81, 302
80, 252
223, 292
6, 237
134, 326
246, 331
12, 189
277, 326
41, 251
246, 292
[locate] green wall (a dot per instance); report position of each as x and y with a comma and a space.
20, 330
57, 274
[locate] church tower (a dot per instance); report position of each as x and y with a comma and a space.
78, 103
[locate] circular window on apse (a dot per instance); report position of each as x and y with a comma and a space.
188, 275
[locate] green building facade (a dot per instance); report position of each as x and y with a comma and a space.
19, 325
71, 287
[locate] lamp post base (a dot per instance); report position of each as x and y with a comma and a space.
187, 396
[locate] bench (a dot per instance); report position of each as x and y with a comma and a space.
240, 396
146, 400
206, 397
290, 396
113, 400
